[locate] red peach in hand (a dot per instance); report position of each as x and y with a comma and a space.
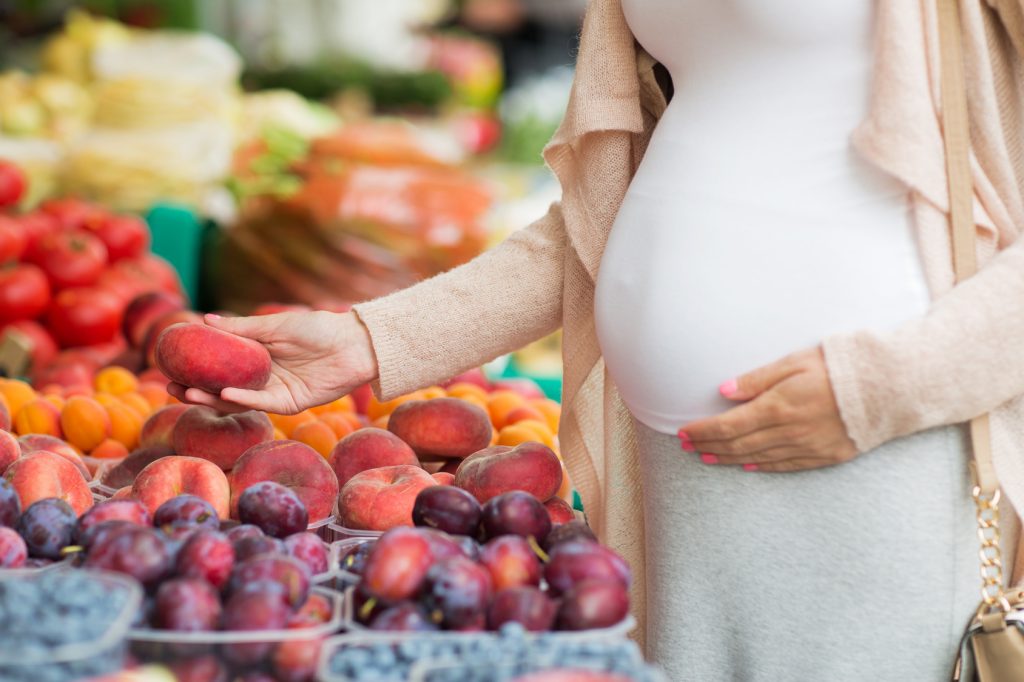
211, 359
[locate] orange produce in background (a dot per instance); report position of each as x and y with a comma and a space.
125, 425
109, 449
17, 393
317, 435
84, 422
38, 415
115, 380
339, 423
287, 422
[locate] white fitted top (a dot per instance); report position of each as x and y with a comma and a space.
751, 229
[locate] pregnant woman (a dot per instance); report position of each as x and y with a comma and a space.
767, 367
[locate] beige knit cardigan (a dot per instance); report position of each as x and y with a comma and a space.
963, 358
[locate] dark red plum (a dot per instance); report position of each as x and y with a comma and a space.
276, 509
579, 560
593, 604
47, 526
132, 511
397, 564
516, 513
442, 545
365, 606
309, 549
99, 532
566, 532
13, 551
456, 593
528, 606
447, 508
10, 504
186, 510
207, 555
511, 562
242, 530
403, 617
354, 560
137, 552
253, 609
186, 605
252, 546
290, 573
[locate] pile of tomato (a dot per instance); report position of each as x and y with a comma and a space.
69, 268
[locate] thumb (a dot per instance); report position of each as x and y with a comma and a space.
752, 384
258, 327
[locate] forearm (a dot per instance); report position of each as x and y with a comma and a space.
496, 303
962, 359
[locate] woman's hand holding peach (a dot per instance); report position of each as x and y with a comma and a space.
788, 420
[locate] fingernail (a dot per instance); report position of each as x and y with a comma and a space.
750, 467
728, 388
709, 459
684, 440
212, 316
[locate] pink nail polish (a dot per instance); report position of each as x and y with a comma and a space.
684, 440
212, 316
750, 467
728, 388
709, 459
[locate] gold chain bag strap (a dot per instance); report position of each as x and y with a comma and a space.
992, 649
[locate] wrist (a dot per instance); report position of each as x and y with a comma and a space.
361, 345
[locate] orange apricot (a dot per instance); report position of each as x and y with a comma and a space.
500, 404
57, 400
343, 404
317, 435
525, 431
524, 412
432, 392
17, 393
38, 415
137, 403
109, 449
85, 422
116, 380
125, 424
377, 409
338, 423
288, 422
279, 434
463, 389
381, 422
551, 410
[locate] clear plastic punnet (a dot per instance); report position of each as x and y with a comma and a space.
103, 653
440, 656
165, 646
339, 532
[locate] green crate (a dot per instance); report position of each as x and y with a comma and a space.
178, 237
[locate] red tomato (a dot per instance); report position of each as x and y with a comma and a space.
24, 292
155, 269
72, 259
44, 348
71, 213
85, 316
125, 236
124, 284
12, 184
13, 240
36, 226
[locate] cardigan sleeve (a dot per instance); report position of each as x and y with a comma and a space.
962, 359
498, 302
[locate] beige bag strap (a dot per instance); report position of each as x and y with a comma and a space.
956, 136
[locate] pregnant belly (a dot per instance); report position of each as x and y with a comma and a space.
696, 289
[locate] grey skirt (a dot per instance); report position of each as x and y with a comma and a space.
863, 571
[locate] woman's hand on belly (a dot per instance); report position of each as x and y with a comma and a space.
788, 420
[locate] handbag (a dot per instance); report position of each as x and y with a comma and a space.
992, 648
